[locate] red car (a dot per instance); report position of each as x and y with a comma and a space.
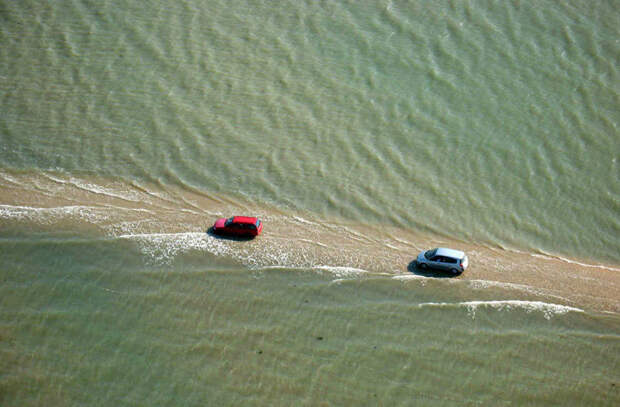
245, 226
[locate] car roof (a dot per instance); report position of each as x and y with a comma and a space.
244, 219
456, 254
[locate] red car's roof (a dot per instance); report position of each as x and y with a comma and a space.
245, 219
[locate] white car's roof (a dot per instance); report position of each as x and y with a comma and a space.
457, 254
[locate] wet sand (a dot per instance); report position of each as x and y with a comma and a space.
167, 221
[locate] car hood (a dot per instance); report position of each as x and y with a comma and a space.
421, 256
219, 223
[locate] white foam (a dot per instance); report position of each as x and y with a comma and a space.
547, 309
121, 208
302, 220
560, 258
162, 248
410, 276
128, 227
405, 242
422, 280
389, 246
9, 178
338, 281
482, 284
599, 266
98, 189
46, 215
341, 271
314, 242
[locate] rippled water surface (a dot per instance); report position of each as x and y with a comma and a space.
361, 133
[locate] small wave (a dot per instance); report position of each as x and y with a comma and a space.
338, 281
548, 310
162, 248
341, 271
314, 242
403, 241
483, 284
389, 246
302, 220
422, 280
46, 215
97, 189
9, 178
500, 284
410, 276
550, 257
98, 215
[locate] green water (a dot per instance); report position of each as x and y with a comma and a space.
94, 326
361, 133
493, 123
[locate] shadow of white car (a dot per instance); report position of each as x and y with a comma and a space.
441, 258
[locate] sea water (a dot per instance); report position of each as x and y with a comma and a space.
361, 133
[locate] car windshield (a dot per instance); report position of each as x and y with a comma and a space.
430, 253
229, 222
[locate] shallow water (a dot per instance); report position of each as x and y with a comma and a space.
361, 134
94, 325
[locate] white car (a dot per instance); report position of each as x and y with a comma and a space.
453, 261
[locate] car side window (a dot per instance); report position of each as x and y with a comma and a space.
442, 259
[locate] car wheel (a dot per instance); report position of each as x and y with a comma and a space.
455, 272
423, 266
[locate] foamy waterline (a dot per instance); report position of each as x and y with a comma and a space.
164, 232
162, 248
578, 263
46, 215
547, 309
127, 195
